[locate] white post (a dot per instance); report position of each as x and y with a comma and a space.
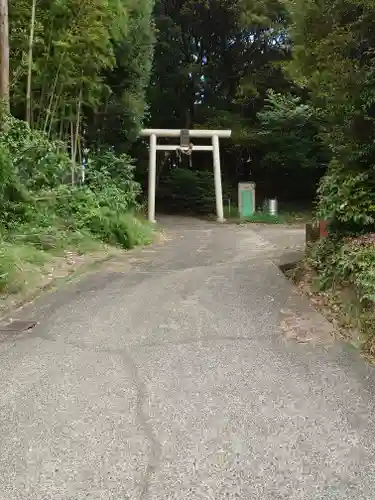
152, 179
217, 174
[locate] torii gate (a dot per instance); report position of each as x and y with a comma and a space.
185, 146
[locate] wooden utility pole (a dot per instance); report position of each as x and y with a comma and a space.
30, 63
4, 54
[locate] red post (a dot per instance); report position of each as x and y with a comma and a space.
323, 229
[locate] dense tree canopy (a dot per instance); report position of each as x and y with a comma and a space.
335, 57
214, 65
81, 67
215, 59
282, 75
79, 72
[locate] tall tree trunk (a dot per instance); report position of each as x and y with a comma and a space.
72, 152
78, 123
53, 113
4, 54
74, 136
62, 123
52, 96
30, 63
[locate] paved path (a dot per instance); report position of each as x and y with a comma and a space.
197, 373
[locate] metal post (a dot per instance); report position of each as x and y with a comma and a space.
217, 174
152, 179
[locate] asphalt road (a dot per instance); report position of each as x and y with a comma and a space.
190, 370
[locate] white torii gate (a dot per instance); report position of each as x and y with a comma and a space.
214, 135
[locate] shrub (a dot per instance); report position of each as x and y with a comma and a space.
193, 191
346, 199
41, 214
349, 263
118, 229
14, 197
106, 165
289, 134
38, 162
350, 260
69, 214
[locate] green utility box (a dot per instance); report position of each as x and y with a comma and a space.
246, 199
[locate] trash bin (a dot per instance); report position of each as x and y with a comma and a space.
272, 207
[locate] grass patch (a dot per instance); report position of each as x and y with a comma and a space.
20, 266
30, 257
54, 239
264, 217
47, 224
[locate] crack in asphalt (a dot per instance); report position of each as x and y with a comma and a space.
141, 417
143, 420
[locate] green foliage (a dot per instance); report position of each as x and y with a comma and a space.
14, 197
336, 57
79, 75
215, 63
114, 175
189, 191
38, 162
263, 218
288, 133
40, 215
349, 260
222, 54
87, 210
18, 265
90, 66
349, 263
231, 212
118, 229
6, 179
346, 199
322, 255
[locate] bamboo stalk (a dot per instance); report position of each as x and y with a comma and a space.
57, 100
62, 123
52, 96
74, 135
78, 121
72, 151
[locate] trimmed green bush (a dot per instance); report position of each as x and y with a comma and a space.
185, 190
